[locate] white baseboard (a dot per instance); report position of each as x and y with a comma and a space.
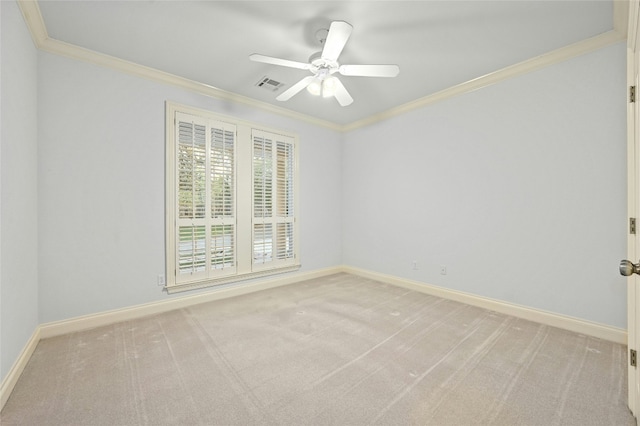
9, 382
87, 322
100, 319
577, 325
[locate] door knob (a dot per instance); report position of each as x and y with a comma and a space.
627, 268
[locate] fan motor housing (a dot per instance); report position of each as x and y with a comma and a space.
318, 62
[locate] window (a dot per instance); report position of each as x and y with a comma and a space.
273, 210
231, 200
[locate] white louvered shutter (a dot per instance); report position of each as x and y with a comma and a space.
223, 211
285, 206
273, 202
205, 220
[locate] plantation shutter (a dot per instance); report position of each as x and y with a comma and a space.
285, 207
223, 211
273, 200
206, 219
231, 208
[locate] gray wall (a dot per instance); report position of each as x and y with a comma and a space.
18, 187
518, 188
101, 179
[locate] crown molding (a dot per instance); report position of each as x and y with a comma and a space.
37, 28
33, 18
79, 53
35, 23
533, 64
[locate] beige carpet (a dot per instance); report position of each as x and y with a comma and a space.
341, 350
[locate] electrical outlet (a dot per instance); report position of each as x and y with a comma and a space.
414, 265
443, 269
161, 280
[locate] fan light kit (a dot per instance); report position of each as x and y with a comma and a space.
324, 64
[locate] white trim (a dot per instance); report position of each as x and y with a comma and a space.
33, 18
100, 319
87, 322
36, 26
621, 16
10, 380
533, 64
632, 27
632, 202
631, 238
577, 325
82, 54
35, 23
177, 288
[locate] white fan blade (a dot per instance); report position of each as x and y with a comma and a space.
288, 94
343, 97
277, 61
339, 33
369, 70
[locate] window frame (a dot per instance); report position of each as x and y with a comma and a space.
244, 200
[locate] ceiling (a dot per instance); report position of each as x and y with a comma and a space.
437, 44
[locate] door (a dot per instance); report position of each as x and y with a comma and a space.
632, 240
633, 186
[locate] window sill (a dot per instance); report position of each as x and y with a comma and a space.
178, 288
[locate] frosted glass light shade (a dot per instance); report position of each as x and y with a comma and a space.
315, 87
329, 87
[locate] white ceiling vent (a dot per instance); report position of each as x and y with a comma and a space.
269, 84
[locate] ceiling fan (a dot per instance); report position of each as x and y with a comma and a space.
325, 63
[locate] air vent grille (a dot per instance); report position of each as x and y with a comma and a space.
269, 84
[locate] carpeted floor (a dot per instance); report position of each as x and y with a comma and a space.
340, 350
